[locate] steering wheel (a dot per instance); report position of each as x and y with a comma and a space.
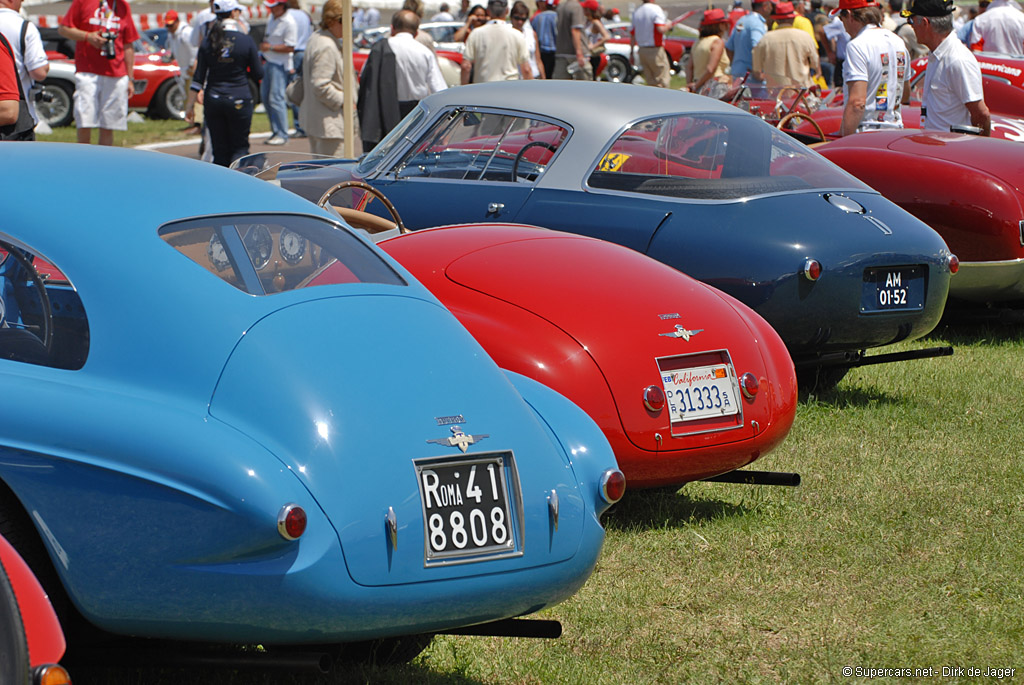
522, 151
801, 115
358, 214
780, 106
46, 336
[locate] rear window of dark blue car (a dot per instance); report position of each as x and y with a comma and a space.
272, 253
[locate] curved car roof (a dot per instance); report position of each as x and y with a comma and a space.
596, 111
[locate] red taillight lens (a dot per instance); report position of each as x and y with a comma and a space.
749, 385
291, 522
613, 486
954, 263
812, 269
654, 398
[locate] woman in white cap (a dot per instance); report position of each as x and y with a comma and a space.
227, 59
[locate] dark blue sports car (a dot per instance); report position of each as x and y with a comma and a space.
695, 183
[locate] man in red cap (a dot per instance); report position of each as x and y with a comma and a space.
786, 56
875, 71
953, 94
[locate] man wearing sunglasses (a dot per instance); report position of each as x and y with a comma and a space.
953, 95
875, 72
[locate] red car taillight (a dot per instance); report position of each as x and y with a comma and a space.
291, 522
654, 398
613, 486
749, 385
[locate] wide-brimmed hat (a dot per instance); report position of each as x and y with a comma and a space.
928, 8
852, 5
715, 16
783, 10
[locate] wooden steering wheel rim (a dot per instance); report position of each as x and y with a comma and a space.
369, 190
801, 115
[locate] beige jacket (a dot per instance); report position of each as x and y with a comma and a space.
322, 96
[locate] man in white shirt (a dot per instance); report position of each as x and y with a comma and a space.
443, 14
277, 47
496, 51
875, 72
1000, 29
33, 65
417, 73
953, 94
179, 42
648, 31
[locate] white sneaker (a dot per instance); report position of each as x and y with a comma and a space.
276, 140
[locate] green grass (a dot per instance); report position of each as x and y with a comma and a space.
901, 548
148, 131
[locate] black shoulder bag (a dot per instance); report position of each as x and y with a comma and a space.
24, 127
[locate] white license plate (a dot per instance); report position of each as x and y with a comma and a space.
465, 507
701, 392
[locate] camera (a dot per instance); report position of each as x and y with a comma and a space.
39, 94
108, 49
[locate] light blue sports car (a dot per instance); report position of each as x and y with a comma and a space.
205, 441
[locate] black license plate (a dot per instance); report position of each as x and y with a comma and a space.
899, 288
466, 507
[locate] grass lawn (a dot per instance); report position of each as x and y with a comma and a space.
149, 131
901, 549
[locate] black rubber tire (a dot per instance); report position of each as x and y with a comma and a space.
61, 110
14, 663
618, 70
169, 101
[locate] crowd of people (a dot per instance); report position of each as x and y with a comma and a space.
858, 45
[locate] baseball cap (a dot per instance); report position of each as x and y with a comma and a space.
715, 16
273, 3
928, 8
783, 10
224, 6
592, 5
852, 5
170, 16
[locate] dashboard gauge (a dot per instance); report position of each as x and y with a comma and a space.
259, 244
217, 254
292, 246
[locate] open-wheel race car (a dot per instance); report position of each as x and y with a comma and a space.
697, 184
314, 454
685, 382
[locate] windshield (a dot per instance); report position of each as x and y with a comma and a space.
713, 157
267, 254
391, 140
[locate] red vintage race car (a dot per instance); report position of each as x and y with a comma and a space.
685, 382
616, 64
31, 639
970, 189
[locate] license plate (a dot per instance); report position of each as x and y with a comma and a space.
893, 288
701, 392
465, 507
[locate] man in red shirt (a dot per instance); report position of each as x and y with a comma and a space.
105, 63
9, 94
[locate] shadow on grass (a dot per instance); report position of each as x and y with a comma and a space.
967, 327
666, 508
348, 675
851, 396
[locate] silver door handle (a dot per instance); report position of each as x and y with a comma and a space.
495, 207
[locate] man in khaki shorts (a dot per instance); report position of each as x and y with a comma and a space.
104, 64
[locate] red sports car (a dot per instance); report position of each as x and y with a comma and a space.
685, 381
31, 639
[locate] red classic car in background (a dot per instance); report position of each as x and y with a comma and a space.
618, 67
157, 89
31, 639
970, 189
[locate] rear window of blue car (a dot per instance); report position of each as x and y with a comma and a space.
272, 253
713, 157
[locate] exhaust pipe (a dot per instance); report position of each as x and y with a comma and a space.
512, 627
790, 480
